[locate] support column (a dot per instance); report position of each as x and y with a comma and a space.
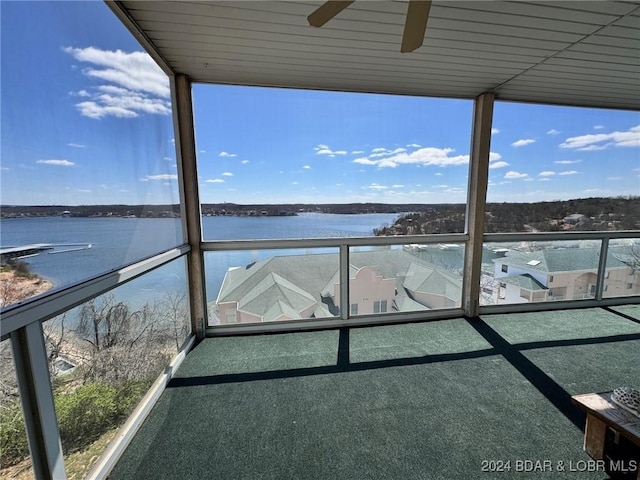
36, 395
189, 199
476, 201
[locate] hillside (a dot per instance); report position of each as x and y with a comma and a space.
589, 214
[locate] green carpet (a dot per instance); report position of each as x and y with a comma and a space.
418, 401
630, 310
560, 325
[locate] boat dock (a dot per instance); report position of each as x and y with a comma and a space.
7, 254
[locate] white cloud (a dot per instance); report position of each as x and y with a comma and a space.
424, 156
76, 145
357, 152
203, 151
134, 71
325, 150
135, 84
385, 153
375, 186
495, 131
414, 145
601, 141
546, 173
215, 180
97, 111
514, 175
498, 164
553, 131
598, 127
397, 185
378, 150
162, 176
568, 172
168, 159
227, 154
614, 179
567, 162
523, 142
307, 167
57, 163
294, 183
83, 190
227, 174
244, 162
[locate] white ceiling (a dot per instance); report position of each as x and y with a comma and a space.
584, 53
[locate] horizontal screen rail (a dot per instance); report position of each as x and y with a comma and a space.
554, 236
55, 302
269, 244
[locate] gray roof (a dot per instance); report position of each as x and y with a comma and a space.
275, 296
525, 281
405, 303
430, 279
285, 285
553, 260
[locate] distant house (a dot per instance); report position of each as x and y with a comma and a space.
575, 219
308, 286
563, 274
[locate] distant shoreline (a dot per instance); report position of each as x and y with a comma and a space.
208, 209
275, 210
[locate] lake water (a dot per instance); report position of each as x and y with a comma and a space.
118, 241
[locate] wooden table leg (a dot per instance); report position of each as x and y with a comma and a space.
594, 437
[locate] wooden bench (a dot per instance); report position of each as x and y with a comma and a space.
603, 414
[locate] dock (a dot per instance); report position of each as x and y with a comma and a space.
7, 254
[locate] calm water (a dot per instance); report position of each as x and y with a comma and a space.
117, 241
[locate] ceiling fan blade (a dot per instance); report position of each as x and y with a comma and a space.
415, 25
326, 12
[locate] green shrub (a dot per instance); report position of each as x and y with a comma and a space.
86, 413
13, 437
83, 416
21, 269
130, 394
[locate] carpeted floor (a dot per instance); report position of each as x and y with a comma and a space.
436, 400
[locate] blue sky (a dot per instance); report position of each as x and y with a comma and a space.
86, 120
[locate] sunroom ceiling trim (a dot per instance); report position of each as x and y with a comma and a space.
582, 53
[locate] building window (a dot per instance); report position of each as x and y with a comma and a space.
354, 309
505, 268
606, 287
380, 306
629, 286
550, 278
606, 275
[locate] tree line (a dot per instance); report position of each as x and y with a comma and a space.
619, 213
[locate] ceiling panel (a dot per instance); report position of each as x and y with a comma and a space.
574, 53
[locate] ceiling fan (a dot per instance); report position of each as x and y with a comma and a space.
414, 26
